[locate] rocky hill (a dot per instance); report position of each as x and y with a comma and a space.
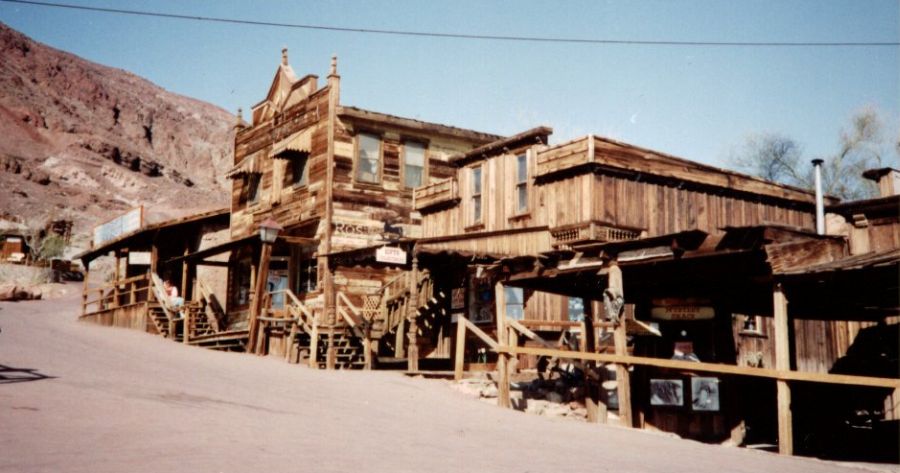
85, 142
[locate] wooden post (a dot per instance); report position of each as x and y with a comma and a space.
314, 345
620, 340
513, 338
86, 289
783, 363
116, 276
184, 273
367, 355
412, 333
289, 344
330, 354
588, 344
459, 362
259, 289
502, 357
188, 322
399, 338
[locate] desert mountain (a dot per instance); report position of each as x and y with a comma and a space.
85, 142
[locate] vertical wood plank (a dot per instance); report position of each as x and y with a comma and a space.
620, 340
502, 357
459, 361
259, 288
412, 333
783, 363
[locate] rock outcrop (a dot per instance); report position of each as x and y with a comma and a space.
84, 141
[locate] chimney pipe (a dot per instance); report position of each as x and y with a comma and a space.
820, 199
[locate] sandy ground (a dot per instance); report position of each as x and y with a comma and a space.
79, 397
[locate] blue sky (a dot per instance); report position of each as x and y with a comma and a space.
698, 102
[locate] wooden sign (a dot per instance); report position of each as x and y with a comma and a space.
139, 258
682, 309
458, 298
391, 255
124, 224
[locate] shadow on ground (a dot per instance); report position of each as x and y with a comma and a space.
9, 375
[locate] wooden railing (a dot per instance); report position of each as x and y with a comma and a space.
565, 156
214, 313
441, 192
121, 293
566, 235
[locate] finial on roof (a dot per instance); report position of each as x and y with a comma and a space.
284, 59
333, 65
240, 117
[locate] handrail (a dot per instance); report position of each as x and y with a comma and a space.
206, 294
304, 317
353, 318
480, 333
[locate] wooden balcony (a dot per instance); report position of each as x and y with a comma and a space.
565, 156
591, 232
444, 192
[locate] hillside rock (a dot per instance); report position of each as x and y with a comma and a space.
86, 142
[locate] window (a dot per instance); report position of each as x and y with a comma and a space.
413, 164
250, 194
576, 309
515, 302
298, 169
368, 163
241, 280
751, 325
521, 183
308, 274
476, 194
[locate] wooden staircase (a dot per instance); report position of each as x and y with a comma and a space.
430, 307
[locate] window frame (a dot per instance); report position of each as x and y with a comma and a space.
524, 183
508, 304
251, 194
304, 182
479, 219
403, 163
357, 158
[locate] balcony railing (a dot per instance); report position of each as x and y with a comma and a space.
566, 236
440, 193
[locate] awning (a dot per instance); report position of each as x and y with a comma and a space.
296, 145
249, 165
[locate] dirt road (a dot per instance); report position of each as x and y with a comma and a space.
78, 397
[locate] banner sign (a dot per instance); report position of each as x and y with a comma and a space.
126, 223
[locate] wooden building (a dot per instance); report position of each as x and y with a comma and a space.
402, 243
335, 179
128, 298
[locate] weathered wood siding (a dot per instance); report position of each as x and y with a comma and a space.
361, 209
286, 204
575, 187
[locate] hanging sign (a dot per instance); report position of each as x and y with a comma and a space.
139, 258
391, 255
682, 309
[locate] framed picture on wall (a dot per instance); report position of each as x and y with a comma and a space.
666, 392
705, 394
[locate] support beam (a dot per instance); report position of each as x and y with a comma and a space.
314, 345
460, 359
620, 340
412, 334
259, 290
783, 363
503, 340
86, 288
589, 345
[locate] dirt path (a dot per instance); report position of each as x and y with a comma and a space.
123, 401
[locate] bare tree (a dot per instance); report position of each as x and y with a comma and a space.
773, 157
778, 158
